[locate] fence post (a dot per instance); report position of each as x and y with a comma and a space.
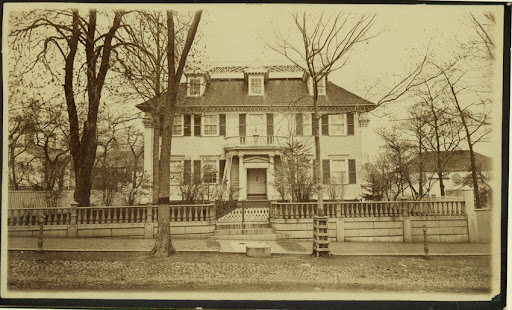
469, 201
213, 216
148, 225
407, 220
338, 209
73, 228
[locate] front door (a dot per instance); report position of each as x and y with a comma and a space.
257, 182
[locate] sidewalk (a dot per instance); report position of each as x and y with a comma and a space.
233, 246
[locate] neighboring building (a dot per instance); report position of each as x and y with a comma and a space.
457, 168
238, 119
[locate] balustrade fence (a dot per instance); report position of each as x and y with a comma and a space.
301, 210
108, 215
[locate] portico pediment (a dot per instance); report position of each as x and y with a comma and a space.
256, 160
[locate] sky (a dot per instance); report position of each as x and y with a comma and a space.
240, 34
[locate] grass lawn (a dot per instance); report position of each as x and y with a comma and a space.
237, 272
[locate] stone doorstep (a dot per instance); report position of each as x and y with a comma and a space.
221, 232
268, 237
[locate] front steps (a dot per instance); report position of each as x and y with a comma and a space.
245, 231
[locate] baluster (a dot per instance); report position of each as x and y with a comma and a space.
201, 214
173, 218
16, 217
115, 217
178, 216
195, 214
452, 208
131, 213
189, 214
109, 216
458, 208
122, 215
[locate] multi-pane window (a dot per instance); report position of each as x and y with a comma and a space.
211, 125
337, 124
176, 171
194, 87
210, 170
256, 85
177, 125
338, 171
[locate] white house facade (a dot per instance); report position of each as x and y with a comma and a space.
239, 119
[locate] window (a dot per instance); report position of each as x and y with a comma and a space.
176, 170
211, 125
338, 171
177, 125
256, 85
210, 170
337, 125
321, 86
194, 87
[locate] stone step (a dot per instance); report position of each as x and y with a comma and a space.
267, 237
240, 225
256, 231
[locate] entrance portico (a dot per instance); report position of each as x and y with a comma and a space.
256, 176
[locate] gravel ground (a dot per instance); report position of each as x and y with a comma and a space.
215, 271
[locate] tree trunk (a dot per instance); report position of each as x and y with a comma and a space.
318, 162
163, 245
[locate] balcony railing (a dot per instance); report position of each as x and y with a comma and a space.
256, 141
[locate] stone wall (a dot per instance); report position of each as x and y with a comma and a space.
132, 230
380, 229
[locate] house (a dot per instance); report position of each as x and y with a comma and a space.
238, 119
456, 169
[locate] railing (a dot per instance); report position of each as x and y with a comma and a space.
108, 215
111, 215
32, 216
256, 141
301, 210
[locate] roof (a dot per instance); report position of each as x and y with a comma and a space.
278, 93
232, 69
455, 161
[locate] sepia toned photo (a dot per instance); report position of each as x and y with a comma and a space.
252, 151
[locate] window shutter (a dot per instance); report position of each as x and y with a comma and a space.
326, 171
222, 166
222, 124
241, 125
325, 125
314, 171
350, 124
313, 123
270, 124
352, 171
187, 171
197, 125
197, 171
186, 125
299, 124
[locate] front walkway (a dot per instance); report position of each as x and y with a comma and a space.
232, 246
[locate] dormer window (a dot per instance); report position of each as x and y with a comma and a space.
194, 87
321, 86
256, 86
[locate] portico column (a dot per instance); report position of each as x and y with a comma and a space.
270, 178
242, 174
148, 146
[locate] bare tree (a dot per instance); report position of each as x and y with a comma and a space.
325, 47
74, 35
472, 113
166, 108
